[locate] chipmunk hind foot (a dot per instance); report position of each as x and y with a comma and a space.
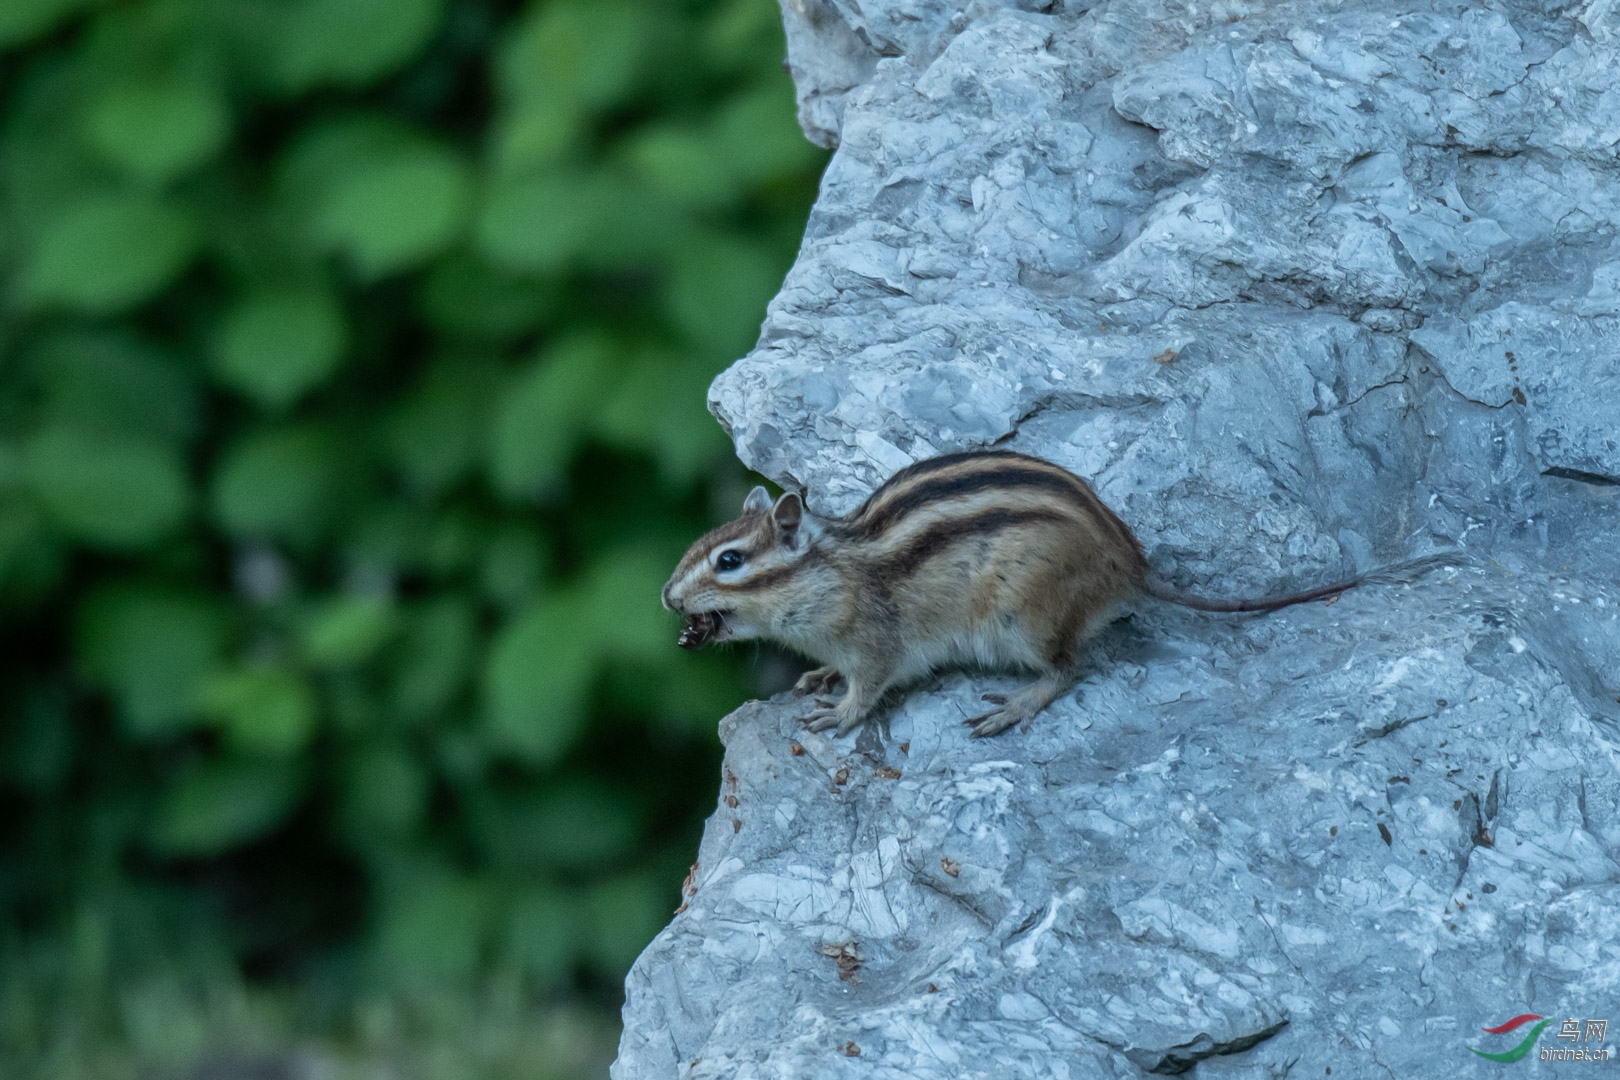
1019, 707
839, 716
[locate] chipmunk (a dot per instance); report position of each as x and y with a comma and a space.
993, 559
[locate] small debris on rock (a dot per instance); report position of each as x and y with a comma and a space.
688, 888
795, 749
841, 776
1383, 830
847, 959
950, 866
886, 772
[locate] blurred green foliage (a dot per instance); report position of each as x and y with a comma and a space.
352, 371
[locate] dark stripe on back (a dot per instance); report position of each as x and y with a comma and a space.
944, 461
870, 523
941, 535
1111, 522
919, 469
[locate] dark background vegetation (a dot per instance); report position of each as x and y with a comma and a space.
352, 369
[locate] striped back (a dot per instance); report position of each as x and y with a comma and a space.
926, 507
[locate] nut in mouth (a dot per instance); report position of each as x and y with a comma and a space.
701, 628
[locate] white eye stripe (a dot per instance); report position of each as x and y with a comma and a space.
698, 574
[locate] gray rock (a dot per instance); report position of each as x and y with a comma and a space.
1301, 288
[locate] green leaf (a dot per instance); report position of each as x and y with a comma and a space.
346, 631
719, 290
541, 224
431, 936
534, 133
116, 383
438, 434
621, 589
395, 210
351, 42
573, 50
743, 35
21, 20
453, 542
386, 539
279, 343
562, 62
433, 658
37, 745
219, 805
544, 934
694, 693
542, 416
659, 408
626, 914
106, 253
465, 296
385, 788
280, 483
261, 709
757, 135
158, 129
537, 681
107, 490
574, 826
686, 164
31, 560
597, 220
151, 649
516, 563
328, 149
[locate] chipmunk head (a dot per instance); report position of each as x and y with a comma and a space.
727, 583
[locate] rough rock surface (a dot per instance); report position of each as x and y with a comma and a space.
1301, 287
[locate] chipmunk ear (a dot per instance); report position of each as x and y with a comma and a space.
758, 501
786, 516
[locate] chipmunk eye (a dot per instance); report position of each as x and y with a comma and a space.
728, 560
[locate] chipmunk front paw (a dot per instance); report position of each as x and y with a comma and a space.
830, 716
819, 680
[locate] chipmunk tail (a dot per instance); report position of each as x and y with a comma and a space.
1407, 570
